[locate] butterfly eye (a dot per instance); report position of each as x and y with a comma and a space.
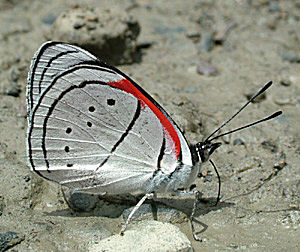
89, 124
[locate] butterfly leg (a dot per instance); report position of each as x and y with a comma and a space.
154, 206
138, 205
197, 195
192, 219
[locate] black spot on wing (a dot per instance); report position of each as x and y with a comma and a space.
91, 108
111, 102
68, 130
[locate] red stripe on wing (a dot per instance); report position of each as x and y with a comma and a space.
128, 87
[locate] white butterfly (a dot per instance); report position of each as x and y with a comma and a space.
93, 129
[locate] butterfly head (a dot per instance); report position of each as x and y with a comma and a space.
205, 149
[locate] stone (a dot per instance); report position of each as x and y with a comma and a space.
14, 90
238, 141
109, 206
207, 69
252, 92
78, 201
146, 236
290, 55
269, 145
207, 41
110, 34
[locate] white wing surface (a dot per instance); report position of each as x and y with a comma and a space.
92, 129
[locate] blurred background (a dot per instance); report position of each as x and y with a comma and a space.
201, 60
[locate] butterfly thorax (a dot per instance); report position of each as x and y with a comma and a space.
184, 175
181, 178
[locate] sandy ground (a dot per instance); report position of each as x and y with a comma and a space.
259, 167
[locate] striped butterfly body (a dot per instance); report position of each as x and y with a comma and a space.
93, 129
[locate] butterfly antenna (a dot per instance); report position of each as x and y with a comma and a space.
263, 89
219, 180
249, 125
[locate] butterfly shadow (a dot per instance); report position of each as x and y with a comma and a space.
185, 205
86, 205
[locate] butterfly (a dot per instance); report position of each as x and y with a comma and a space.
93, 129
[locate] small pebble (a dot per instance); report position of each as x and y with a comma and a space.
285, 82
258, 99
49, 19
4, 105
203, 174
234, 246
283, 101
27, 178
91, 27
177, 101
238, 141
226, 138
14, 91
274, 6
191, 90
269, 146
78, 24
208, 178
14, 73
207, 69
93, 19
207, 41
280, 165
282, 155
292, 57
80, 202
194, 36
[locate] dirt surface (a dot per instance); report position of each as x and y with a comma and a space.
200, 60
